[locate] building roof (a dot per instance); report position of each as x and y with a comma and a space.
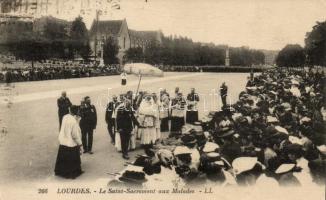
145, 35
108, 27
45, 19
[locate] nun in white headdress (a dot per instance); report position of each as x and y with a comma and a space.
147, 116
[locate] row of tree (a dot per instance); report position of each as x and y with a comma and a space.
57, 39
312, 54
54, 41
183, 51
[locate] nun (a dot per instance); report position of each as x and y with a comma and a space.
68, 163
147, 116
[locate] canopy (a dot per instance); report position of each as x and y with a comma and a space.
143, 69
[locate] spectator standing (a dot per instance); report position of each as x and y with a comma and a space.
63, 106
88, 124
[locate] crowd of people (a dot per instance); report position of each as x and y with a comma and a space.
169, 68
273, 135
45, 72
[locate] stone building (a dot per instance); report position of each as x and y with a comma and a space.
125, 37
102, 30
11, 26
144, 38
41, 23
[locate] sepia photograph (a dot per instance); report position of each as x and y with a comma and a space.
163, 99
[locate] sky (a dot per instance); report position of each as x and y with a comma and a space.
259, 24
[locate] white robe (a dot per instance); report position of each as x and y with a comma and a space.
148, 114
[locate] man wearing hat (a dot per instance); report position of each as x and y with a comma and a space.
318, 166
63, 106
190, 142
229, 149
182, 160
284, 175
212, 165
247, 170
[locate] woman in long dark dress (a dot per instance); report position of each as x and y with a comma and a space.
68, 164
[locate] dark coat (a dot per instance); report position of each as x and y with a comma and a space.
192, 97
109, 110
63, 106
126, 120
223, 90
88, 117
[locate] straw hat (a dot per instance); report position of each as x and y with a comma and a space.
243, 164
283, 168
210, 147
179, 150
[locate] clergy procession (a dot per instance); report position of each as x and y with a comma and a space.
274, 134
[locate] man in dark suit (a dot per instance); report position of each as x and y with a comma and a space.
88, 123
125, 124
110, 116
63, 106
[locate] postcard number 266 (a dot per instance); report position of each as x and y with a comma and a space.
42, 191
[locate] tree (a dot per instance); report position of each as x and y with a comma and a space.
55, 31
30, 47
79, 38
78, 30
292, 55
152, 53
110, 51
85, 52
315, 45
135, 55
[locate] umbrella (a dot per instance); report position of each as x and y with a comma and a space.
142, 69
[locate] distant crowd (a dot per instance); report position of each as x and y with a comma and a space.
213, 68
169, 68
66, 71
40, 73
